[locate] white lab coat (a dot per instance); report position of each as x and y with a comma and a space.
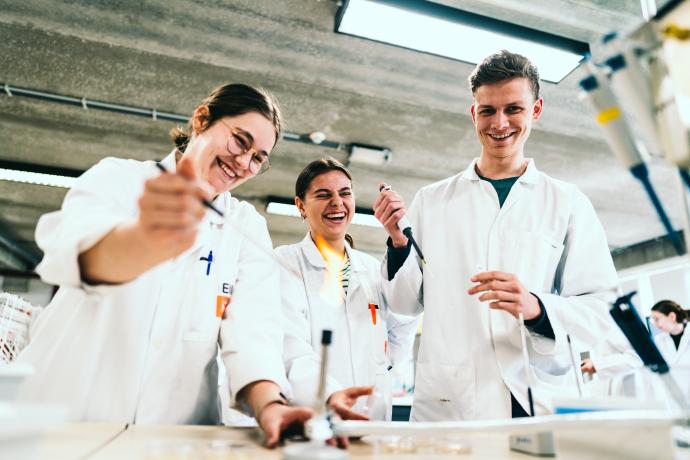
361, 351
145, 351
470, 357
678, 360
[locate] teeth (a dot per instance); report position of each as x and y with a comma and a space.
225, 168
500, 136
337, 215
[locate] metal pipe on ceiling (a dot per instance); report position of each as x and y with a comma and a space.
12, 91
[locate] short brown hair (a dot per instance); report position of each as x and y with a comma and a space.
502, 66
231, 100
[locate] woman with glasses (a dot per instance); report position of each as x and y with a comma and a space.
368, 340
154, 287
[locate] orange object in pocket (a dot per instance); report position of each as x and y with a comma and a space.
372, 307
222, 302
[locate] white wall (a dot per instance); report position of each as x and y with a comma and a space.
667, 279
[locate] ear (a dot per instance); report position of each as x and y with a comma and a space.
672, 316
300, 207
200, 119
536, 110
474, 115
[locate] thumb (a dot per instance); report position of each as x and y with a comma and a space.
272, 432
186, 168
360, 391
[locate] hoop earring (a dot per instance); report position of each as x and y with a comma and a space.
302, 217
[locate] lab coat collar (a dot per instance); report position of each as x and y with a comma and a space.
530, 175
221, 202
314, 257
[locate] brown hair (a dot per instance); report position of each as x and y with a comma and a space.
315, 169
669, 306
504, 65
229, 100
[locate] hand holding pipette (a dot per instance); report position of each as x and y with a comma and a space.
204, 201
166, 225
389, 209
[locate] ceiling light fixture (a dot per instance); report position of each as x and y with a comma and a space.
445, 31
370, 155
36, 178
284, 207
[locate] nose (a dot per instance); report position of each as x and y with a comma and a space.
336, 200
244, 159
499, 120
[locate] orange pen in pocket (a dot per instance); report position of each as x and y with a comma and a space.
373, 308
222, 302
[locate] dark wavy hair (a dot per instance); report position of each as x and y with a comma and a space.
315, 169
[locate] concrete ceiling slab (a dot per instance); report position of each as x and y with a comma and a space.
169, 54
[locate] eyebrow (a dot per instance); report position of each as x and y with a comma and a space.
321, 190
481, 106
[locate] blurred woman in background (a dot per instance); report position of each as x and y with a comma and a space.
673, 342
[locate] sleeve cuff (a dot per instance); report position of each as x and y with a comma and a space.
541, 324
396, 257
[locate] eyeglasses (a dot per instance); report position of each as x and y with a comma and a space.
240, 143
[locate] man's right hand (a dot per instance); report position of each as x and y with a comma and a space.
389, 208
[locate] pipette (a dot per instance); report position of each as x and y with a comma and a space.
406, 228
268, 252
525, 357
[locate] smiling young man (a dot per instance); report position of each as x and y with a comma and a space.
500, 238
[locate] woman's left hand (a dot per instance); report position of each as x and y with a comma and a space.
277, 418
341, 402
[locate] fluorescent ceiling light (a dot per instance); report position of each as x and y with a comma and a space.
286, 209
36, 178
369, 155
456, 34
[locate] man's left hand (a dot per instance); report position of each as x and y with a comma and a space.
506, 293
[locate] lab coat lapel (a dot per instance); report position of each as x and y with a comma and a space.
683, 345
522, 186
311, 253
358, 278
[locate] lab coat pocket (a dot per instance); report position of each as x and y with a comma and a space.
444, 392
550, 385
535, 258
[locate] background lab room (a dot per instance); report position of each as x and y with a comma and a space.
345, 229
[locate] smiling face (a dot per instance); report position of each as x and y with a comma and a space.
213, 160
502, 114
328, 206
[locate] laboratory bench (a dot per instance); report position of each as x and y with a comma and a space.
108, 441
